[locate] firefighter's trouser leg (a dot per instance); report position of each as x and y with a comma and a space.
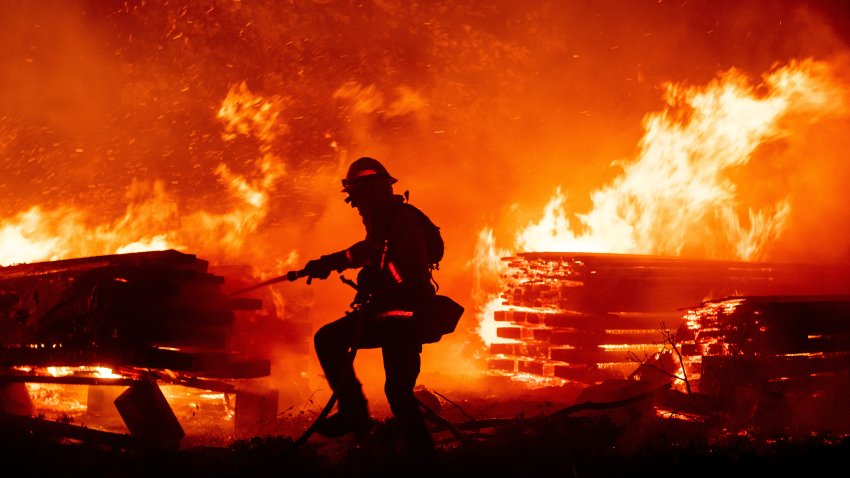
401, 365
332, 343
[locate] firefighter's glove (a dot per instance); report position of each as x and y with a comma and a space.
318, 268
321, 268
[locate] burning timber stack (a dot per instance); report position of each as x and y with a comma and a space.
793, 348
143, 318
590, 317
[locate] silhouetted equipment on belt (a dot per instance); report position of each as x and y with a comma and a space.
437, 318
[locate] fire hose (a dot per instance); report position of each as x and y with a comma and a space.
290, 276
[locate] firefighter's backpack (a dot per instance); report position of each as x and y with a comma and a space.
440, 314
434, 244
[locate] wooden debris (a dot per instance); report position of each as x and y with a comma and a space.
147, 310
149, 317
148, 415
754, 340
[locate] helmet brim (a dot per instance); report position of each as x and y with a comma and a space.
352, 185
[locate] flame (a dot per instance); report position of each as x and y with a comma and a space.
677, 194
152, 219
247, 114
59, 371
487, 264
487, 324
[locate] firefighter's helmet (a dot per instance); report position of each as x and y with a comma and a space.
366, 171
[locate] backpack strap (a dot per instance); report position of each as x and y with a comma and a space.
428, 228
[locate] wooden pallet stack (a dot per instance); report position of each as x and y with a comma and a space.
577, 316
160, 310
752, 341
149, 317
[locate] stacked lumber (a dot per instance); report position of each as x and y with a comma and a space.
751, 341
587, 317
150, 318
148, 310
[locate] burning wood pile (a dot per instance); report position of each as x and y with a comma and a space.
587, 317
752, 341
766, 365
131, 320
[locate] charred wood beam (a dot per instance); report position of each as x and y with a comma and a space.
29, 426
171, 258
56, 355
592, 373
185, 381
775, 366
600, 337
67, 380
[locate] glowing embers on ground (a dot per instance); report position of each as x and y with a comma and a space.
88, 397
206, 417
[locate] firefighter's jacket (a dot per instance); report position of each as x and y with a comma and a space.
395, 275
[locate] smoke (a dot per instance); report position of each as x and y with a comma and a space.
481, 111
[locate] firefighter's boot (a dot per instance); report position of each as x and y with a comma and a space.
352, 417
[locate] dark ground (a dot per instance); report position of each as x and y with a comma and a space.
564, 447
623, 441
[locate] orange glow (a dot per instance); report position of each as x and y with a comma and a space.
98, 372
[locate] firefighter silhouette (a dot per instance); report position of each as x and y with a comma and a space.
395, 279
